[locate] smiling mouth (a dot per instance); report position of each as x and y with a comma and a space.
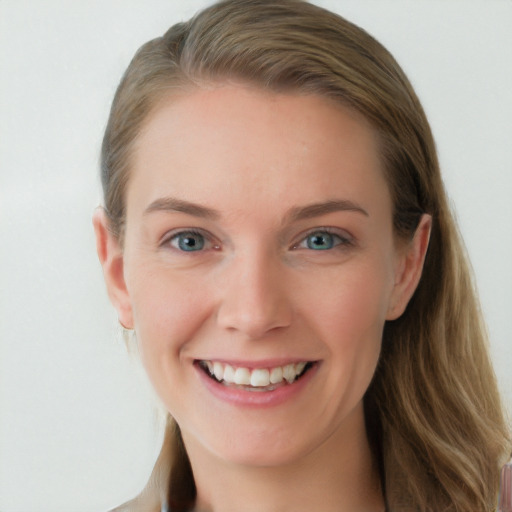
255, 379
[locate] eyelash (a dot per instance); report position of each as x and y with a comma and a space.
342, 241
174, 236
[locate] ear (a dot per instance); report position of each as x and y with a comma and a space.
409, 268
110, 254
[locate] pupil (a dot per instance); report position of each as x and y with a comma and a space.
191, 242
320, 241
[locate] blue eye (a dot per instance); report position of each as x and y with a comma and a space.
322, 240
188, 241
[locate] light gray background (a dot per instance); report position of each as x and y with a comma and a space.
77, 428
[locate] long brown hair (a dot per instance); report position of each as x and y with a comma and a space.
433, 411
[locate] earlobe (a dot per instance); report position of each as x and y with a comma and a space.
408, 272
110, 254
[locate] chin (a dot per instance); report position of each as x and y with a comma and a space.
262, 449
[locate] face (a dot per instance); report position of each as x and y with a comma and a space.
258, 269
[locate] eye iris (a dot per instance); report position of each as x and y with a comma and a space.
320, 241
190, 242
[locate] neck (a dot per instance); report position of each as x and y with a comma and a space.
338, 476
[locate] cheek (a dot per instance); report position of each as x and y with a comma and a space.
359, 325
363, 306
353, 299
350, 317
168, 311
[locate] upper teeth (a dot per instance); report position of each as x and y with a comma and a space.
257, 377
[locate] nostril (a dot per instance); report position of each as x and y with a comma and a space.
252, 318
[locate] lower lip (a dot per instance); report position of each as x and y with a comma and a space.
242, 397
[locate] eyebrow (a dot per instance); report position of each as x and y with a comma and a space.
171, 204
323, 208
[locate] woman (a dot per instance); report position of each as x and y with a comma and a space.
277, 235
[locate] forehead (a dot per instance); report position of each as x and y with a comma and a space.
245, 146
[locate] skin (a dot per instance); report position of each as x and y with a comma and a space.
257, 291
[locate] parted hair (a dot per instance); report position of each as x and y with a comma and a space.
433, 412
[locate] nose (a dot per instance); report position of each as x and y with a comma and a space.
255, 298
